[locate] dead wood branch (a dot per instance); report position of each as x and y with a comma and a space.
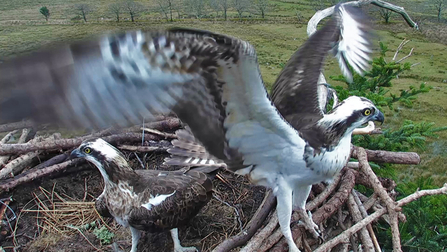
418, 194
159, 133
9, 184
328, 209
168, 123
349, 232
364, 215
357, 216
259, 238
8, 137
143, 149
388, 156
401, 45
5, 139
64, 144
22, 161
327, 246
382, 193
15, 126
324, 195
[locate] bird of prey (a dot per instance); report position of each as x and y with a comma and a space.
212, 82
145, 200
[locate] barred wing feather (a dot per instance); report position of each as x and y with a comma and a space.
212, 82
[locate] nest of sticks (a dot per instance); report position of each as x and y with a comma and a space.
345, 215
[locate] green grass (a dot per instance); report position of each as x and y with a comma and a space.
24, 30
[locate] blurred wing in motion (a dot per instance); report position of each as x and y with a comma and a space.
212, 82
295, 93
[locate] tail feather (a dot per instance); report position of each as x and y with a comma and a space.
187, 151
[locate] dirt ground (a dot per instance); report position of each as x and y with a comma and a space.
214, 223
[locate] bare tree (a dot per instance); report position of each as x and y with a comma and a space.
179, 7
166, 7
116, 9
385, 14
195, 7
261, 6
133, 8
216, 6
240, 6
83, 10
439, 6
225, 6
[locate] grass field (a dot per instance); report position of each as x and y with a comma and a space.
23, 30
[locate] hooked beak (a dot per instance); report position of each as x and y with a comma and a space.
76, 153
379, 117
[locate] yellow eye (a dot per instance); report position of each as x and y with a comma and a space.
367, 112
87, 150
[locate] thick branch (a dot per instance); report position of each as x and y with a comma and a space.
63, 144
16, 125
419, 194
381, 192
143, 149
381, 156
397, 9
38, 174
357, 216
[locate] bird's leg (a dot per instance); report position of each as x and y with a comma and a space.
136, 234
284, 210
300, 195
177, 246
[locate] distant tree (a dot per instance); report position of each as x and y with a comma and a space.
45, 12
216, 6
116, 9
385, 14
439, 6
261, 6
195, 7
178, 7
240, 6
83, 10
133, 8
225, 6
166, 7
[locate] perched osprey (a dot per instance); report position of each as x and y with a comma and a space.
145, 200
213, 83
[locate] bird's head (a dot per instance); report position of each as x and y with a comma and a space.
103, 155
352, 113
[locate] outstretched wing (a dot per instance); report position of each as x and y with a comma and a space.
212, 82
295, 92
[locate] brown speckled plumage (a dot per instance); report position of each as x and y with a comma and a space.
130, 196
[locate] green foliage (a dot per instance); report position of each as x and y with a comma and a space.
407, 137
45, 12
104, 235
426, 226
375, 83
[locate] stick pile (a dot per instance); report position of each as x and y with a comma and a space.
345, 215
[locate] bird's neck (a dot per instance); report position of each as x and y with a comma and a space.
113, 172
338, 128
